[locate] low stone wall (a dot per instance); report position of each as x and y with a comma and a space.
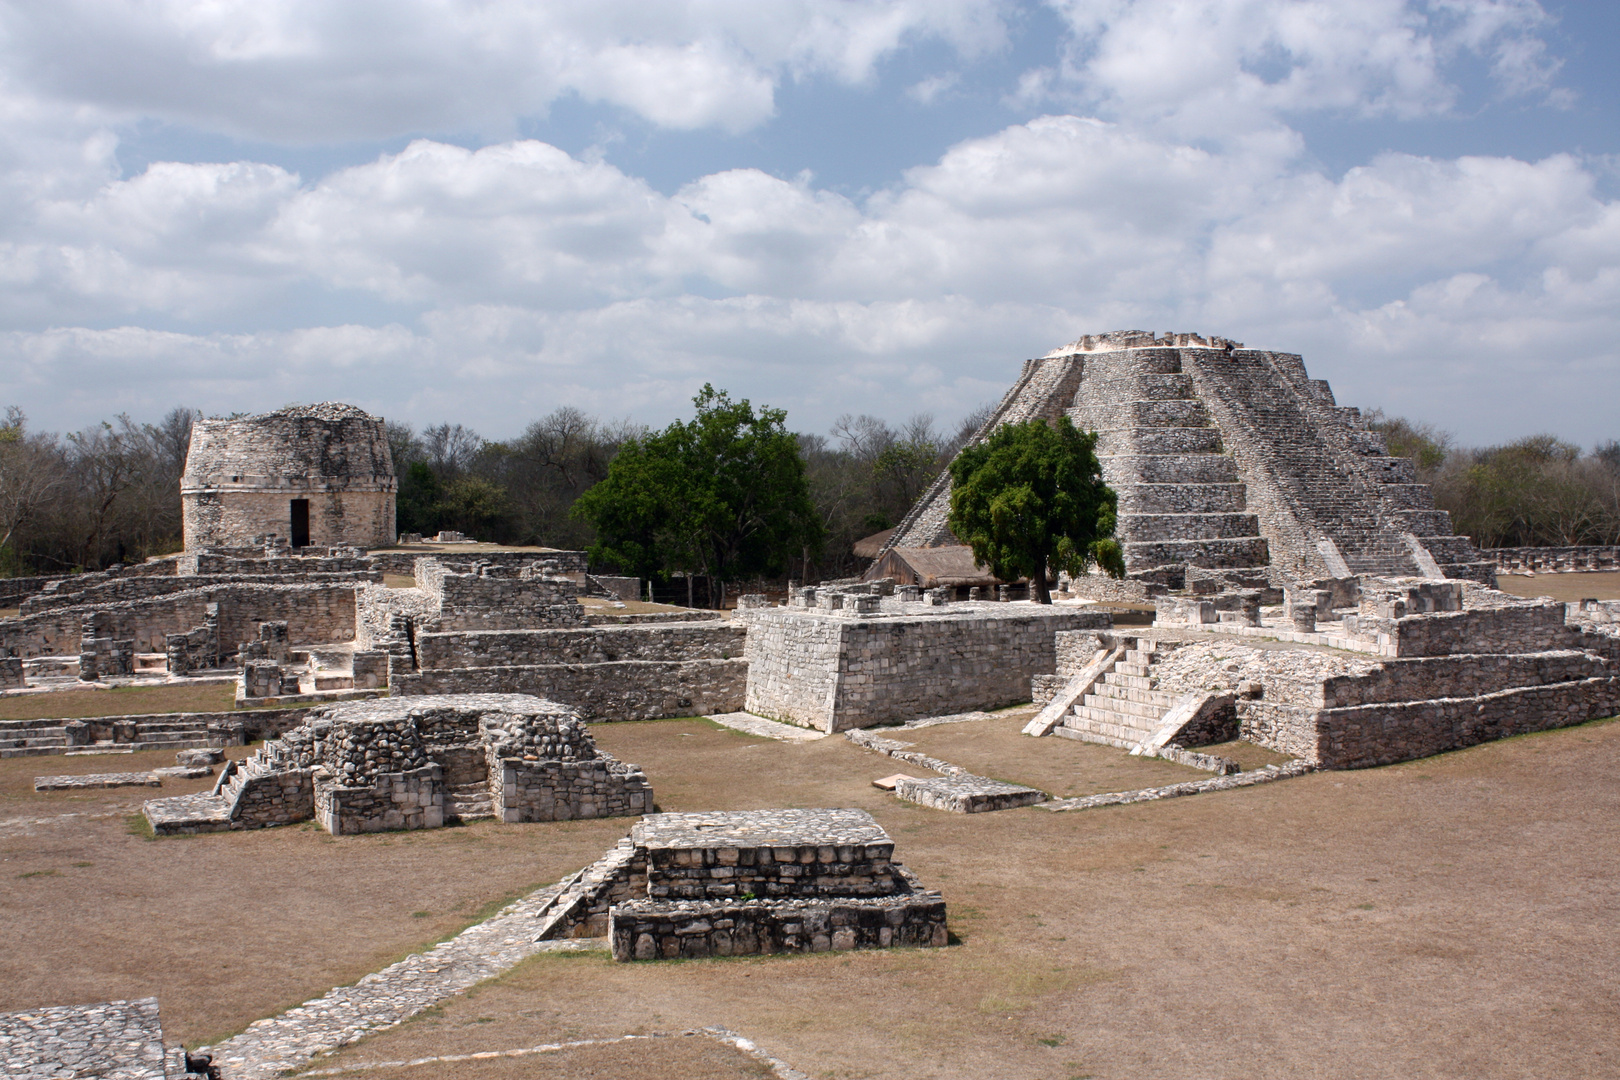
1554, 560
314, 613
402, 800
568, 790
124, 588
623, 690
1075, 650
497, 598
834, 672
594, 645
217, 562
1518, 629
571, 564
1380, 734
13, 591
650, 930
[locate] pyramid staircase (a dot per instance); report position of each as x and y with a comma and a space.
1180, 499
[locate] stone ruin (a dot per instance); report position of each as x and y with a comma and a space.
747, 882
304, 475
1224, 459
415, 763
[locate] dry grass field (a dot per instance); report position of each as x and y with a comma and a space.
1445, 918
120, 701
1600, 585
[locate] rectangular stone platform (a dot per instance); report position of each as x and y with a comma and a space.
768, 853
966, 794
97, 780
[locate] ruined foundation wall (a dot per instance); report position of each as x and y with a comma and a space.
594, 645
834, 673
623, 690
314, 614
568, 790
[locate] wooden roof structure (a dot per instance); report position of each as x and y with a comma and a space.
932, 567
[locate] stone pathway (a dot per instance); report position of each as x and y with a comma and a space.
957, 790
113, 1040
1194, 787
960, 791
387, 997
770, 729
779, 1068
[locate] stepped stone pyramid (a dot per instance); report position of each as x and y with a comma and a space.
1226, 458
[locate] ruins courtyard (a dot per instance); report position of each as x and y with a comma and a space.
1304, 789
1443, 917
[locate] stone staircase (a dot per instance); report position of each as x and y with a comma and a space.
30, 738
1122, 709
468, 802
579, 908
1181, 502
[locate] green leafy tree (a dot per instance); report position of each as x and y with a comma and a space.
723, 495
1031, 499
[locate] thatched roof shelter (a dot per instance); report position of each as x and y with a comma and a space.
933, 567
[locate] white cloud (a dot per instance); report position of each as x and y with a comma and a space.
487, 286
1216, 69
312, 71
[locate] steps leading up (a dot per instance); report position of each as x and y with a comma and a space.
469, 802
1122, 709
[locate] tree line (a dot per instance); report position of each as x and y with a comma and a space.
1539, 491
110, 493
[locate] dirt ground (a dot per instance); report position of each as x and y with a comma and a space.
1444, 918
1600, 585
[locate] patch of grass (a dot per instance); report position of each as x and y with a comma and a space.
1053, 1040
137, 825
120, 701
41, 873
82, 865
1364, 907
421, 914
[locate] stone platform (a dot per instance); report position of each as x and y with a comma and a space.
115, 1040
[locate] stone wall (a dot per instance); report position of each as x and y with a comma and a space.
389, 801
127, 589
649, 930
593, 645
622, 690
1379, 734
242, 474
835, 672
492, 597
569, 564
314, 613
555, 790
273, 798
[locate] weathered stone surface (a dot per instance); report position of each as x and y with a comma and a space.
242, 476
111, 1040
834, 672
97, 780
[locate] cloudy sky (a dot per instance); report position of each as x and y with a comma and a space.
476, 212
